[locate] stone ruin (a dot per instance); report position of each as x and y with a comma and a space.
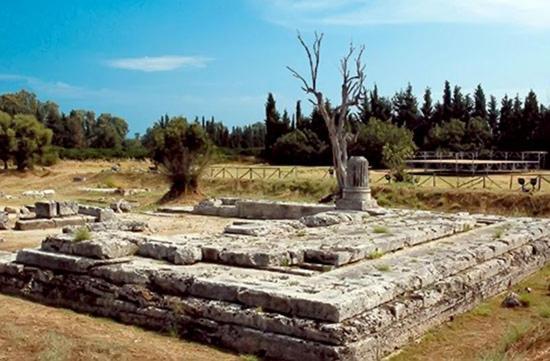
70, 215
58, 214
336, 284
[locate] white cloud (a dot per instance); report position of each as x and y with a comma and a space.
57, 89
525, 13
158, 63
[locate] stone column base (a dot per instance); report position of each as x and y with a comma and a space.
356, 198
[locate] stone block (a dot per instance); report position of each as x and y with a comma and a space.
54, 261
100, 246
278, 210
46, 209
67, 209
72, 221
101, 214
4, 221
171, 252
31, 224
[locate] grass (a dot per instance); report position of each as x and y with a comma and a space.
249, 358
82, 234
483, 310
499, 232
58, 348
375, 254
544, 311
110, 182
514, 333
301, 233
383, 267
380, 229
526, 299
491, 332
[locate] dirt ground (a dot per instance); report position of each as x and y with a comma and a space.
31, 331
160, 225
493, 333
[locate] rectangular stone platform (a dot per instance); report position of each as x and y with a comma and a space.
333, 286
251, 209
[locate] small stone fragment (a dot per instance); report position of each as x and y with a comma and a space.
511, 300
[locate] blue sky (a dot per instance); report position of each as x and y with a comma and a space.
140, 59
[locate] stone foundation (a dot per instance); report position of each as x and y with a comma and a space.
251, 209
332, 286
53, 214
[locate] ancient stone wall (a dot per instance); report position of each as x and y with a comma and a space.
331, 286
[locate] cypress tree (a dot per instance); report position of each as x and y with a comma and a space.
272, 120
480, 104
492, 115
447, 107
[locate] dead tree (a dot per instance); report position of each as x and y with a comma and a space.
350, 97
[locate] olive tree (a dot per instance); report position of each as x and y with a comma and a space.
32, 140
182, 150
7, 138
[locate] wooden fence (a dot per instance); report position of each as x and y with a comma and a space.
541, 181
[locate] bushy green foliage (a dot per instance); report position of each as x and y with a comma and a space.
457, 135
384, 144
448, 136
302, 147
82, 234
30, 141
182, 149
7, 138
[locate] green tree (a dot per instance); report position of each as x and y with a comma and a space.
480, 103
301, 147
405, 108
109, 131
7, 138
531, 118
380, 107
182, 149
478, 135
492, 115
448, 136
22, 102
383, 143
272, 123
447, 106
32, 140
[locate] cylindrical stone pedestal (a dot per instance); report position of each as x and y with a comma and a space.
356, 195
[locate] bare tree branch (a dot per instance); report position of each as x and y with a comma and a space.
352, 91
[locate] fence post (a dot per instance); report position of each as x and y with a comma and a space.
484, 182
433, 181
511, 178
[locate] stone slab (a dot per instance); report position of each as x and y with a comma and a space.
31, 224
100, 246
101, 214
351, 290
66, 208
45, 209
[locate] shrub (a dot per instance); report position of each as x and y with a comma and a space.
384, 144
82, 234
300, 147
